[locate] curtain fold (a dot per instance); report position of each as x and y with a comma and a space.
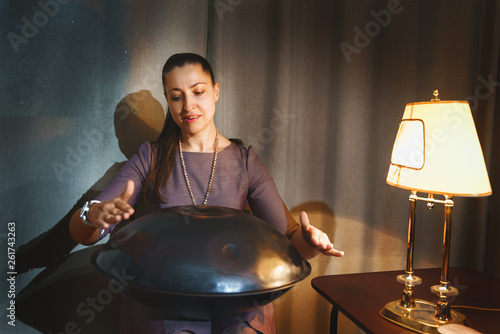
488, 123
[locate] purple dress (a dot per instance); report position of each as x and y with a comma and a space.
239, 177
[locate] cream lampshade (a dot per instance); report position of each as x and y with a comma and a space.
437, 151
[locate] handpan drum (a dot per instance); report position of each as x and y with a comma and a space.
202, 262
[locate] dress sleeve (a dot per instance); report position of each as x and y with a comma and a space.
136, 169
264, 199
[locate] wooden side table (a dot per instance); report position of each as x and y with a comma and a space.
360, 297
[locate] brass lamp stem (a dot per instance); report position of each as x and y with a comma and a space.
409, 279
448, 206
411, 232
444, 291
408, 297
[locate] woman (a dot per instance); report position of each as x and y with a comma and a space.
192, 163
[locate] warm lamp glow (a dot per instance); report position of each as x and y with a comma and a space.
437, 151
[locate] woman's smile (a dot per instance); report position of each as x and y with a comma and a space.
191, 118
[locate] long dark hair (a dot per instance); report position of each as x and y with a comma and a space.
165, 147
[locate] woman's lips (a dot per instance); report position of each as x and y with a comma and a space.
192, 118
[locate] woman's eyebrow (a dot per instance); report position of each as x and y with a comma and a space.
198, 83
192, 86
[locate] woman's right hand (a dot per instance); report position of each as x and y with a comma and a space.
101, 215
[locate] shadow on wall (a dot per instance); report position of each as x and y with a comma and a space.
69, 294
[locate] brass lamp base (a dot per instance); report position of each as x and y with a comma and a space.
420, 318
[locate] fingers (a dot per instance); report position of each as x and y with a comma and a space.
113, 211
317, 238
103, 214
323, 243
304, 221
128, 192
103, 219
119, 208
333, 252
101, 224
125, 196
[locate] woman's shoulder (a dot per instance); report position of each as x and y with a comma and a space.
246, 153
146, 146
237, 142
144, 155
146, 149
238, 146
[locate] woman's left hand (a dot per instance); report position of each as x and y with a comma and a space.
317, 238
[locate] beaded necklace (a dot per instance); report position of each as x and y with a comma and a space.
214, 161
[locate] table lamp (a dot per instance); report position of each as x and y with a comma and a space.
437, 152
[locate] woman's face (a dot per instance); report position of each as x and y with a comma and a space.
191, 98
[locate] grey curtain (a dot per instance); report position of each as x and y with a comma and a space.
316, 87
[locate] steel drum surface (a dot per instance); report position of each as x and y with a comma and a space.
202, 262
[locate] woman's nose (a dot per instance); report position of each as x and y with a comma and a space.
189, 104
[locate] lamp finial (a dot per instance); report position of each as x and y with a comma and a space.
436, 94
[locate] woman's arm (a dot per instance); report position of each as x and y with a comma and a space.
116, 202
